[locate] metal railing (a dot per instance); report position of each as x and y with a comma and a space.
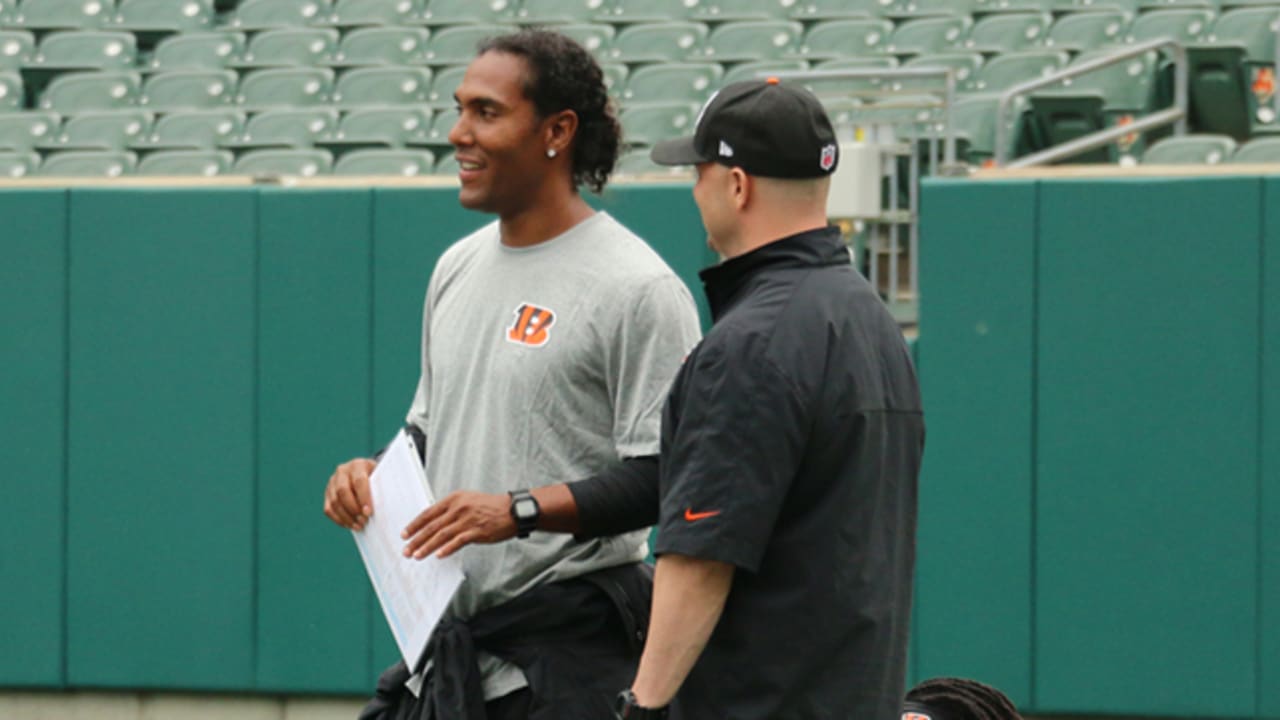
1175, 115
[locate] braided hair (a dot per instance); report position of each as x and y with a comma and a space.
960, 699
564, 76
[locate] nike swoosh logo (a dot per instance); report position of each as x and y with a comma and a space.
692, 516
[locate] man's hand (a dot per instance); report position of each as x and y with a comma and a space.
460, 519
347, 501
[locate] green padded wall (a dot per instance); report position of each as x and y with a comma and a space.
161, 473
1146, 446
314, 411
973, 597
1269, 486
33, 296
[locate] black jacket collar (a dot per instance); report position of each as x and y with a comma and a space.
811, 248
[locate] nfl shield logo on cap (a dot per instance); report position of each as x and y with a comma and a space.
828, 159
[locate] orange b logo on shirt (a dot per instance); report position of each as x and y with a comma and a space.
532, 326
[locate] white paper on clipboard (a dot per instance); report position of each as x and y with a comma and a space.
414, 593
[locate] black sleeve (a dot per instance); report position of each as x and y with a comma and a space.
621, 498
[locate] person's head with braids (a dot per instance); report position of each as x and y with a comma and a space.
534, 124
957, 699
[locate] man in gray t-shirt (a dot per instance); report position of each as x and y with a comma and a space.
549, 338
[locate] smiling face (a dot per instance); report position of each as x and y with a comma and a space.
500, 141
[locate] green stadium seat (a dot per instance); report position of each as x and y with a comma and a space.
1165, 4
22, 131
467, 12
17, 165
751, 40
965, 67
379, 127
1232, 4
381, 46
557, 12
193, 130
383, 86
637, 162
152, 20
1081, 32
974, 120
286, 128
11, 91
1233, 74
302, 163
927, 8
62, 14
929, 35
1011, 32
88, 164
77, 92
1190, 150
833, 39
114, 130
457, 45
1004, 71
840, 89
441, 123
406, 163
290, 47
1000, 6
1186, 25
1258, 150
597, 38
267, 14
620, 12
86, 50
615, 76
647, 123
736, 10
188, 90
198, 51
205, 163
444, 85
658, 42
685, 82
815, 10
752, 70
446, 164
1126, 87
1254, 29
284, 87
17, 47
357, 13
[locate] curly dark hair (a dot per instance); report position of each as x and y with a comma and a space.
564, 76
961, 699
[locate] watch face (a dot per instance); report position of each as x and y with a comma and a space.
526, 508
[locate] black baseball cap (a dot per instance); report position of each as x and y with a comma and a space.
762, 126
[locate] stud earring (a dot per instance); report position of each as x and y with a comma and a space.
551, 152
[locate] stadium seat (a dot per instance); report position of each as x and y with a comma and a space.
62, 14
188, 90
193, 130
356, 13
379, 127
1233, 74
17, 47
86, 50
658, 42
842, 38
444, 85
383, 86
407, 163
735, 10
751, 40
22, 131
206, 163
290, 47
17, 165
1080, 32
381, 46
927, 8
1010, 32
446, 164
152, 20
1165, 4
1000, 6
814, 10
752, 70
114, 130
441, 123
1190, 150
1127, 87
1185, 25
457, 45
615, 76
1004, 71
1258, 150
965, 67
303, 163
78, 92
929, 35
637, 162
286, 128
686, 82
647, 123
597, 38
284, 87
198, 51
467, 12
11, 91
841, 89
267, 14
557, 12
974, 120
88, 164
620, 12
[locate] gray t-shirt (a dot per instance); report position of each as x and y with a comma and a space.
542, 365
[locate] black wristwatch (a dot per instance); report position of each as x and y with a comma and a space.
525, 511
625, 708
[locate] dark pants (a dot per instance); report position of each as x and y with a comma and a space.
512, 706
